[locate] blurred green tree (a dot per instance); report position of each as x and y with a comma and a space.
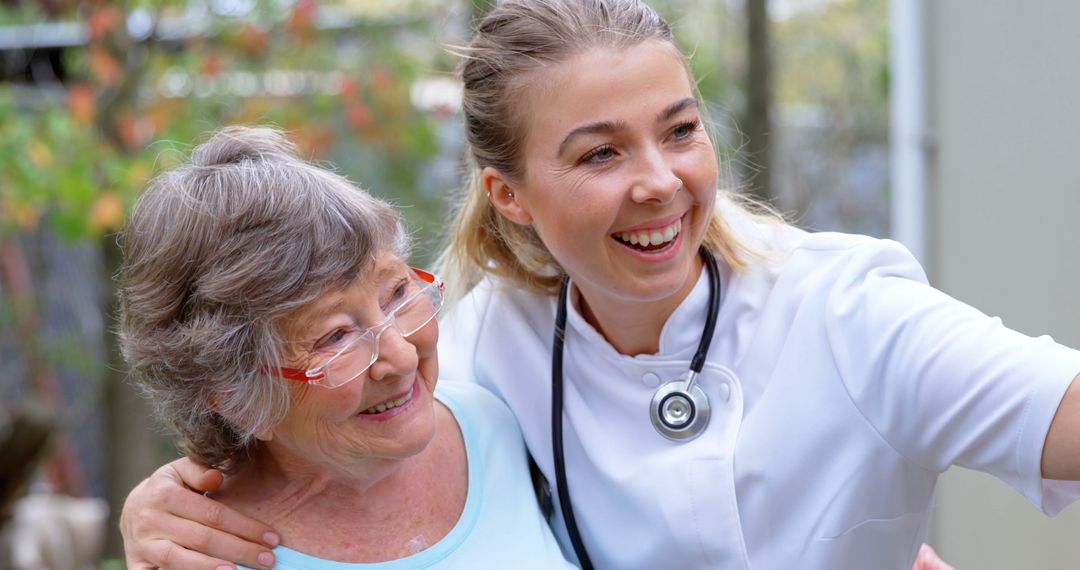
147, 78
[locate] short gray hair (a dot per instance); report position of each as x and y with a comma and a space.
219, 253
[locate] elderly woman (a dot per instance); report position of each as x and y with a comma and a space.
268, 312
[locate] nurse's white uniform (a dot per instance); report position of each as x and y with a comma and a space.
841, 384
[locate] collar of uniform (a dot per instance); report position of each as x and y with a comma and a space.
678, 339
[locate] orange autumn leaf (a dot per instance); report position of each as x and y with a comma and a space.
349, 87
104, 66
314, 141
357, 115
252, 41
103, 20
131, 130
212, 65
107, 213
82, 103
302, 19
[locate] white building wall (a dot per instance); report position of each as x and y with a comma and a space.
1003, 229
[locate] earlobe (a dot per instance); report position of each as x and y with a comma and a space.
501, 195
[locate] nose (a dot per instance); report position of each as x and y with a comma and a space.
397, 356
656, 180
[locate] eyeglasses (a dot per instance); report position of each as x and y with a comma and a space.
360, 347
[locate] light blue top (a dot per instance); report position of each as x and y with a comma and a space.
501, 525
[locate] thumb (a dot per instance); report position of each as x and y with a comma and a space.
196, 477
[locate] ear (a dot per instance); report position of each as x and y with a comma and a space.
502, 195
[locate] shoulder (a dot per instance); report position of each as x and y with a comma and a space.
837, 258
495, 303
776, 247
470, 403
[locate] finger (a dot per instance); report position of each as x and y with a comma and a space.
165, 554
216, 545
928, 559
203, 512
195, 476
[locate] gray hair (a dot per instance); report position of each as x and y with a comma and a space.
220, 252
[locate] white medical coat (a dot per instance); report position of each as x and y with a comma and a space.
841, 386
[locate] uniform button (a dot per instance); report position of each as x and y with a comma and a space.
725, 391
651, 380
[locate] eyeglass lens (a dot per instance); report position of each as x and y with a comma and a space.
421, 306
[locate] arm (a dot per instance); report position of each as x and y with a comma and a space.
167, 522
1061, 453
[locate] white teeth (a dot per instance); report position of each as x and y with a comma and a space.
380, 408
652, 237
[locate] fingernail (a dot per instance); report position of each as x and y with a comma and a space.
224, 567
266, 559
271, 539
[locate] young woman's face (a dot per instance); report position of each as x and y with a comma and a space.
620, 177
384, 413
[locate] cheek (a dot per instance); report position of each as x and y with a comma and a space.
584, 216
426, 343
426, 339
700, 168
312, 405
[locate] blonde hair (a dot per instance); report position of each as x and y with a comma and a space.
512, 43
219, 254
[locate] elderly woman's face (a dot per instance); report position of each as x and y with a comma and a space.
385, 412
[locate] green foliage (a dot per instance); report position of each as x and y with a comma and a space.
837, 57
74, 157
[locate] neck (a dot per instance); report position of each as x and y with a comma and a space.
382, 510
633, 327
280, 489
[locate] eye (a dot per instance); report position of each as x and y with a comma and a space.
337, 339
397, 294
685, 130
599, 154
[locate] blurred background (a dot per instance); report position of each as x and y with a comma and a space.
951, 127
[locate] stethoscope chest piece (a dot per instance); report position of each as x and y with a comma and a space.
680, 410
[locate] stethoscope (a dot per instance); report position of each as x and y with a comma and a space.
679, 409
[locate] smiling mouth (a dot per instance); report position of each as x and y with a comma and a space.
651, 240
380, 408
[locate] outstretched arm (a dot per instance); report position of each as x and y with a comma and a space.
168, 523
1061, 452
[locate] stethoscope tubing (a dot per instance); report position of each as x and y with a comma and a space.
696, 365
561, 485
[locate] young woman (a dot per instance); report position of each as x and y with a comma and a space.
703, 386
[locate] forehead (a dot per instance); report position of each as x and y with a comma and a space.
605, 84
385, 268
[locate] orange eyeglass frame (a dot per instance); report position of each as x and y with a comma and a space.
298, 375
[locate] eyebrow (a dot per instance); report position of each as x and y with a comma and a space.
320, 314
612, 126
324, 311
